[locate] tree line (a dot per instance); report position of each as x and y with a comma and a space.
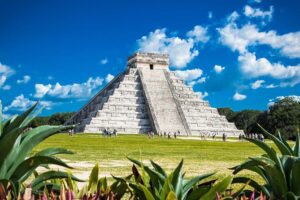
283, 116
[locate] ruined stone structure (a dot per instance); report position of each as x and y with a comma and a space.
147, 96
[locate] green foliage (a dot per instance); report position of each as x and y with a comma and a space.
284, 116
281, 172
154, 184
55, 119
17, 142
245, 120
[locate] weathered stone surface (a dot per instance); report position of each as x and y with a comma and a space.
149, 97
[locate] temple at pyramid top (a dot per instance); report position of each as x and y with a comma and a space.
146, 97
148, 60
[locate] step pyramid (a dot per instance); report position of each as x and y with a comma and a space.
146, 97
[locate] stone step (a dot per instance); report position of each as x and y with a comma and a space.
123, 120
213, 129
131, 78
120, 108
191, 111
126, 99
129, 92
133, 114
214, 125
229, 133
120, 129
128, 85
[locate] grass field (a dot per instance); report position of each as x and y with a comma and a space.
110, 152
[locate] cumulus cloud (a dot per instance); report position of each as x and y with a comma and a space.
5, 72
202, 95
240, 39
218, 69
21, 103
239, 97
104, 61
189, 75
253, 67
109, 77
6, 87
75, 90
257, 84
25, 80
271, 86
200, 80
181, 50
199, 34
256, 12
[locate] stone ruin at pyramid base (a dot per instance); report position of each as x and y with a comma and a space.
146, 97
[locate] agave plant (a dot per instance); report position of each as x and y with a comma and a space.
17, 163
155, 184
281, 172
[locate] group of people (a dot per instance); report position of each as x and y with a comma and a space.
109, 132
168, 135
205, 136
257, 136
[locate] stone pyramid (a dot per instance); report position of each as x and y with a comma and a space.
147, 96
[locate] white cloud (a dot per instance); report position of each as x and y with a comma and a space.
253, 67
109, 77
6, 87
5, 116
210, 15
270, 86
239, 39
256, 12
257, 1
5, 72
200, 80
239, 97
199, 34
104, 61
181, 51
257, 84
75, 90
21, 103
189, 75
202, 95
218, 69
233, 17
25, 79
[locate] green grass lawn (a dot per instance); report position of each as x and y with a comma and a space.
110, 152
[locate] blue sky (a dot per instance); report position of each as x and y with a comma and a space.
239, 54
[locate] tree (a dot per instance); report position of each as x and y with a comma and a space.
284, 116
246, 119
227, 112
59, 118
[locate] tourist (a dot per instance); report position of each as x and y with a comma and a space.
214, 136
262, 137
115, 132
224, 137
240, 137
175, 135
